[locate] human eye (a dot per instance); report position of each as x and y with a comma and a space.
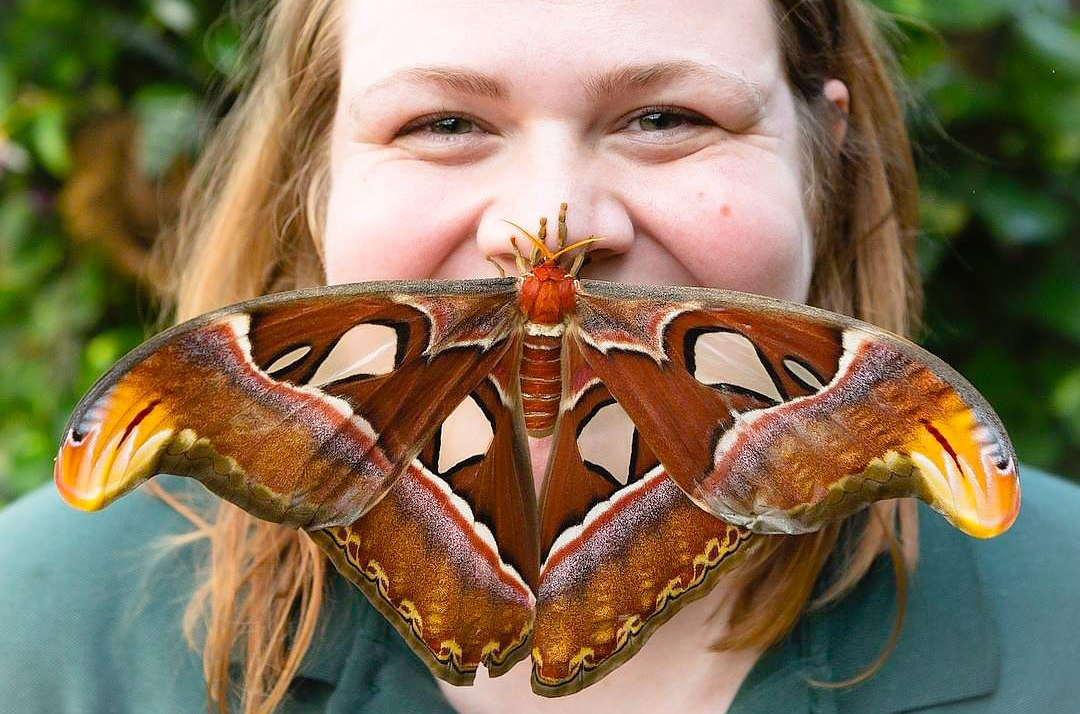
665, 122
441, 127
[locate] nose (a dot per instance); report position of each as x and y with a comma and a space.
535, 188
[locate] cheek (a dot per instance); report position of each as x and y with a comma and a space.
740, 225
386, 221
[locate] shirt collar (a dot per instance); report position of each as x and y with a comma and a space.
948, 649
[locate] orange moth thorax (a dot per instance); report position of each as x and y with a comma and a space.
547, 294
547, 289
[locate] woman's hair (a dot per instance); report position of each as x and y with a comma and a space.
252, 222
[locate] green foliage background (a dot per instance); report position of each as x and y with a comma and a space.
995, 88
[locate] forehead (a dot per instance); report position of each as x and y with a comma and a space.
523, 42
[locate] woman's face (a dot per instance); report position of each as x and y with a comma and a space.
668, 128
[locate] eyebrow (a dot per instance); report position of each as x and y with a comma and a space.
631, 77
454, 79
613, 82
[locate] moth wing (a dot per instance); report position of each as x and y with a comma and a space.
781, 417
624, 548
449, 556
302, 408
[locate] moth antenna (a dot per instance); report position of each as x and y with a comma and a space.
539, 245
541, 238
562, 226
575, 246
498, 266
524, 232
579, 260
519, 258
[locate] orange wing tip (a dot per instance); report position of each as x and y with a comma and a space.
998, 519
90, 478
982, 502
72, 470
69, 489
967, 471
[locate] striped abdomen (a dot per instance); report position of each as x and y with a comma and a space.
541, 377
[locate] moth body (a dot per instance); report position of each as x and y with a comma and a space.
547, 299
547, 294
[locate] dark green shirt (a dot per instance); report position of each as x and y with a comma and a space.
91, 608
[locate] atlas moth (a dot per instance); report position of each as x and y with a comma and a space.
390, 421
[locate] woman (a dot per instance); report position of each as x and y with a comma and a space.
755, 145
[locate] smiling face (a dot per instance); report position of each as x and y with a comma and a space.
670, 132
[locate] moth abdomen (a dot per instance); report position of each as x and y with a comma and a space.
541, 377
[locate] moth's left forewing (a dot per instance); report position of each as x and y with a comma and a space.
301, 408
782, 417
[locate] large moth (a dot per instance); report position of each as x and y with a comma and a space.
389, 420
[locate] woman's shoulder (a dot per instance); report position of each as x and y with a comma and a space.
1031, 573
1041, 550
92, 607
991, 626
1028, 592
1031, 578
997, 621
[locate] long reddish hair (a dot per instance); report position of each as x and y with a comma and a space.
252, 221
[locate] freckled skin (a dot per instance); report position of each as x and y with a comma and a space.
653, 188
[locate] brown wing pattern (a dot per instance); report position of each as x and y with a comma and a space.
386, 418
307, 431
624, 547
449, 555
781, 417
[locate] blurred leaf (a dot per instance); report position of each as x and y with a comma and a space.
1064, 148
16, 217
24, 451
7, 93
49, 140
103, 351
1058, 9
1066, 401
941, 218
958, 95
929, 251
168, 118
1019, 214
1055, 300
148, 44
953, 14
222, 47
942, 215
1058, 43
177, 15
